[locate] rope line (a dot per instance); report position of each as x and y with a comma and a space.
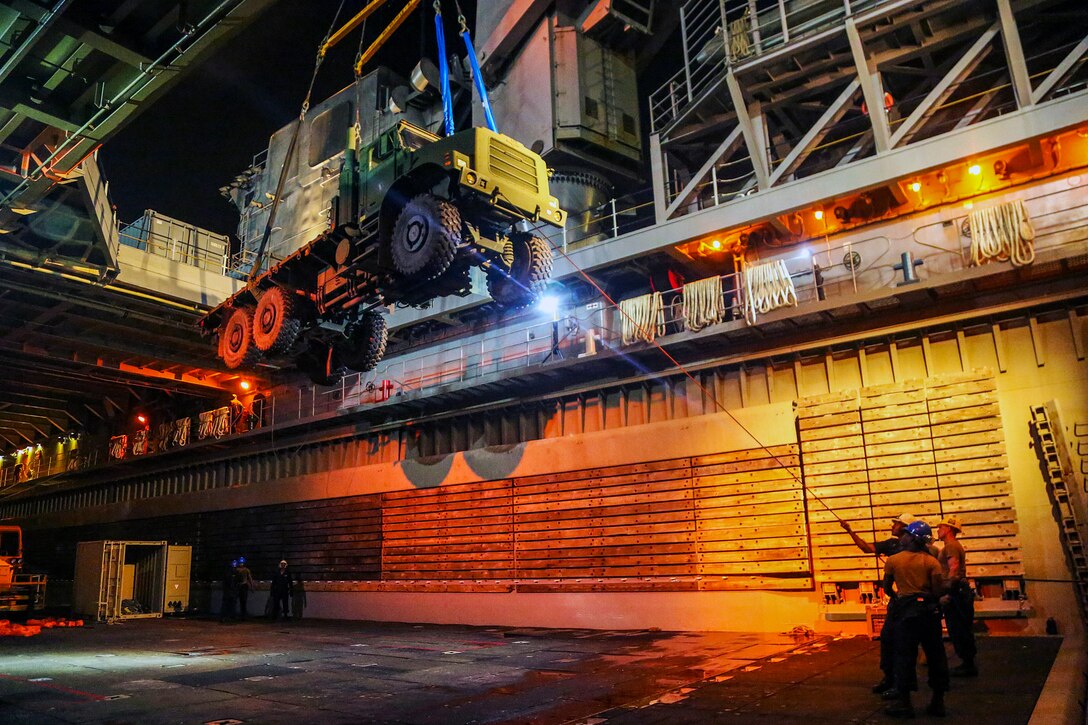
703, 303
1002, 233
768, 287
676, 364
643, 318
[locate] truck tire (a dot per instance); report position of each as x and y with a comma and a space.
276, 321
236, 346
322, 364
523, 284
367, 344
425, 237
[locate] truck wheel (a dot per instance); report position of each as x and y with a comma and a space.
236, 346
367, 344
425, 237
276, 322
523, 284
322, 364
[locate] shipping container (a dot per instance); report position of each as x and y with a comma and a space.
118, 580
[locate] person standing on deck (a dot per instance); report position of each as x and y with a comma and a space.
885, 548
913, 579
958, 602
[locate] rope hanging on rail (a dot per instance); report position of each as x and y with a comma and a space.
703, 304
739, 30
1002, 233
768, 286
643, 318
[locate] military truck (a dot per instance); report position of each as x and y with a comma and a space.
19, 591
413, 213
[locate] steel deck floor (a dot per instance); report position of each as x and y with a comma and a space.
191, 671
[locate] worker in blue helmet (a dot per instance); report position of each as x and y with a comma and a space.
914, 580
243, 578
886, 547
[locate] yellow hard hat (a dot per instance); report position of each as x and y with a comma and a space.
951, 521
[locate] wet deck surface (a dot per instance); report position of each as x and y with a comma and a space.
175, 671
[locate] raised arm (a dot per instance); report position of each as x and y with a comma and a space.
866, 546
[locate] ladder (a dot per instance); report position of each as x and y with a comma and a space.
109, 589
1072, 505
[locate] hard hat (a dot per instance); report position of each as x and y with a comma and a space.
920, 531
951, 521
283, 562
241, 560
234, 563
904, 518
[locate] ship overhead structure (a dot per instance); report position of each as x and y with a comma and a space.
854, 280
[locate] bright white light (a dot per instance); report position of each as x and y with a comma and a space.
548, 304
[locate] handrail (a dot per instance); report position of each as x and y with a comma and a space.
542, 342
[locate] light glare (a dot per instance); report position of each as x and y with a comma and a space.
548, 304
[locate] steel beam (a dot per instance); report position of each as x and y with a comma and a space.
975, 110
1074, 57
747, 116
903, 162
725, 147
871, 88
18, 433
27, 44
940, 93
657, 175
816, 132
29, 419
1014, 55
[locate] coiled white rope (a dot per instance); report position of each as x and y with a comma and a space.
768, 286
643, 318
1002, 233
703, 304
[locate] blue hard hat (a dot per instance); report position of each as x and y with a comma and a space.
241, 560
234, 563
920, 530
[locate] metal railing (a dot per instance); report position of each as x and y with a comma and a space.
717, 33
161, 245
821, 269
851, 138
817, 268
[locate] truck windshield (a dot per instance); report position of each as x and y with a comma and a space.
413, 138
9, 543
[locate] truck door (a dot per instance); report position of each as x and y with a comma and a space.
378, 172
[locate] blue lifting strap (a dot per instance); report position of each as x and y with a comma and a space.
478, 79
444, 72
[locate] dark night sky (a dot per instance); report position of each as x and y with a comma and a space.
176, 154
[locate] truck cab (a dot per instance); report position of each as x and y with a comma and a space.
19, 591
413, 213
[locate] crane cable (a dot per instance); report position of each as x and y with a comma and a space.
289, 157
676, 364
